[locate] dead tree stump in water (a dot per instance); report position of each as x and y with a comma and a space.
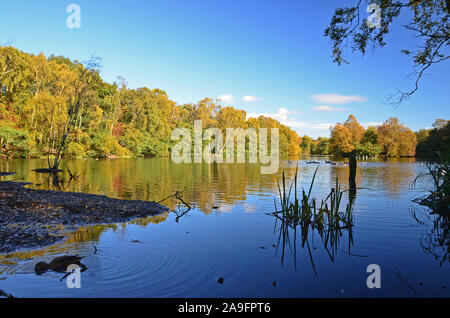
352, 174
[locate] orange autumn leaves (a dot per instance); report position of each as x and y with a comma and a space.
391, 138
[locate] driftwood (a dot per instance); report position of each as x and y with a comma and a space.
3, 293
179, 196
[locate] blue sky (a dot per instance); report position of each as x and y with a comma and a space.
266, 57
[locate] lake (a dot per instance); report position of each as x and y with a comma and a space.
230, 233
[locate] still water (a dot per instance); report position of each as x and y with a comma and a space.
230, 233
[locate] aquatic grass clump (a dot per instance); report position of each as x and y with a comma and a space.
303, 213
438, 200
305, 210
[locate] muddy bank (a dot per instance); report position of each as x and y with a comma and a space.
33, 218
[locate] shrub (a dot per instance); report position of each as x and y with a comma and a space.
75, 150
13, 142
103, 145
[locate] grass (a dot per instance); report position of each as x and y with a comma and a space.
306, 211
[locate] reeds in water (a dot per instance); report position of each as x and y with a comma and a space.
300, 212
306, 211
438, 200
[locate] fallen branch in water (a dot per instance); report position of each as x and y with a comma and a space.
3, 293
177, 195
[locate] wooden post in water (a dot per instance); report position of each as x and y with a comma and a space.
352, 174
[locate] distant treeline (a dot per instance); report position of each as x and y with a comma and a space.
116, 121
390, 139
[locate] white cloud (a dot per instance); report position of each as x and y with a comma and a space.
227, 98
250, 99
323, 126
337, 99
326, 108
372, 123
283, 116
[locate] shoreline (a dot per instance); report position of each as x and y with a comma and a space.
31, 219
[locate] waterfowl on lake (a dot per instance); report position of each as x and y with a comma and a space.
59, 264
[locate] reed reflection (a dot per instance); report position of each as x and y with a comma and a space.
435, 240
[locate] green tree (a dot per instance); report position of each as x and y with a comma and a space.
434, 144
306, 145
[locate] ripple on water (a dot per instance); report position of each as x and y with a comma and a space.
160, 267
155, 266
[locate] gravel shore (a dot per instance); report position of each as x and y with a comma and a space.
34, 218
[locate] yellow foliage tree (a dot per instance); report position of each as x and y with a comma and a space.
396, 140
341, 140
356, 130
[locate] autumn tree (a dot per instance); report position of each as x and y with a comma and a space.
81, 90
356, 129
56, 107
396, 140
293, 142
341, 141
229, 117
